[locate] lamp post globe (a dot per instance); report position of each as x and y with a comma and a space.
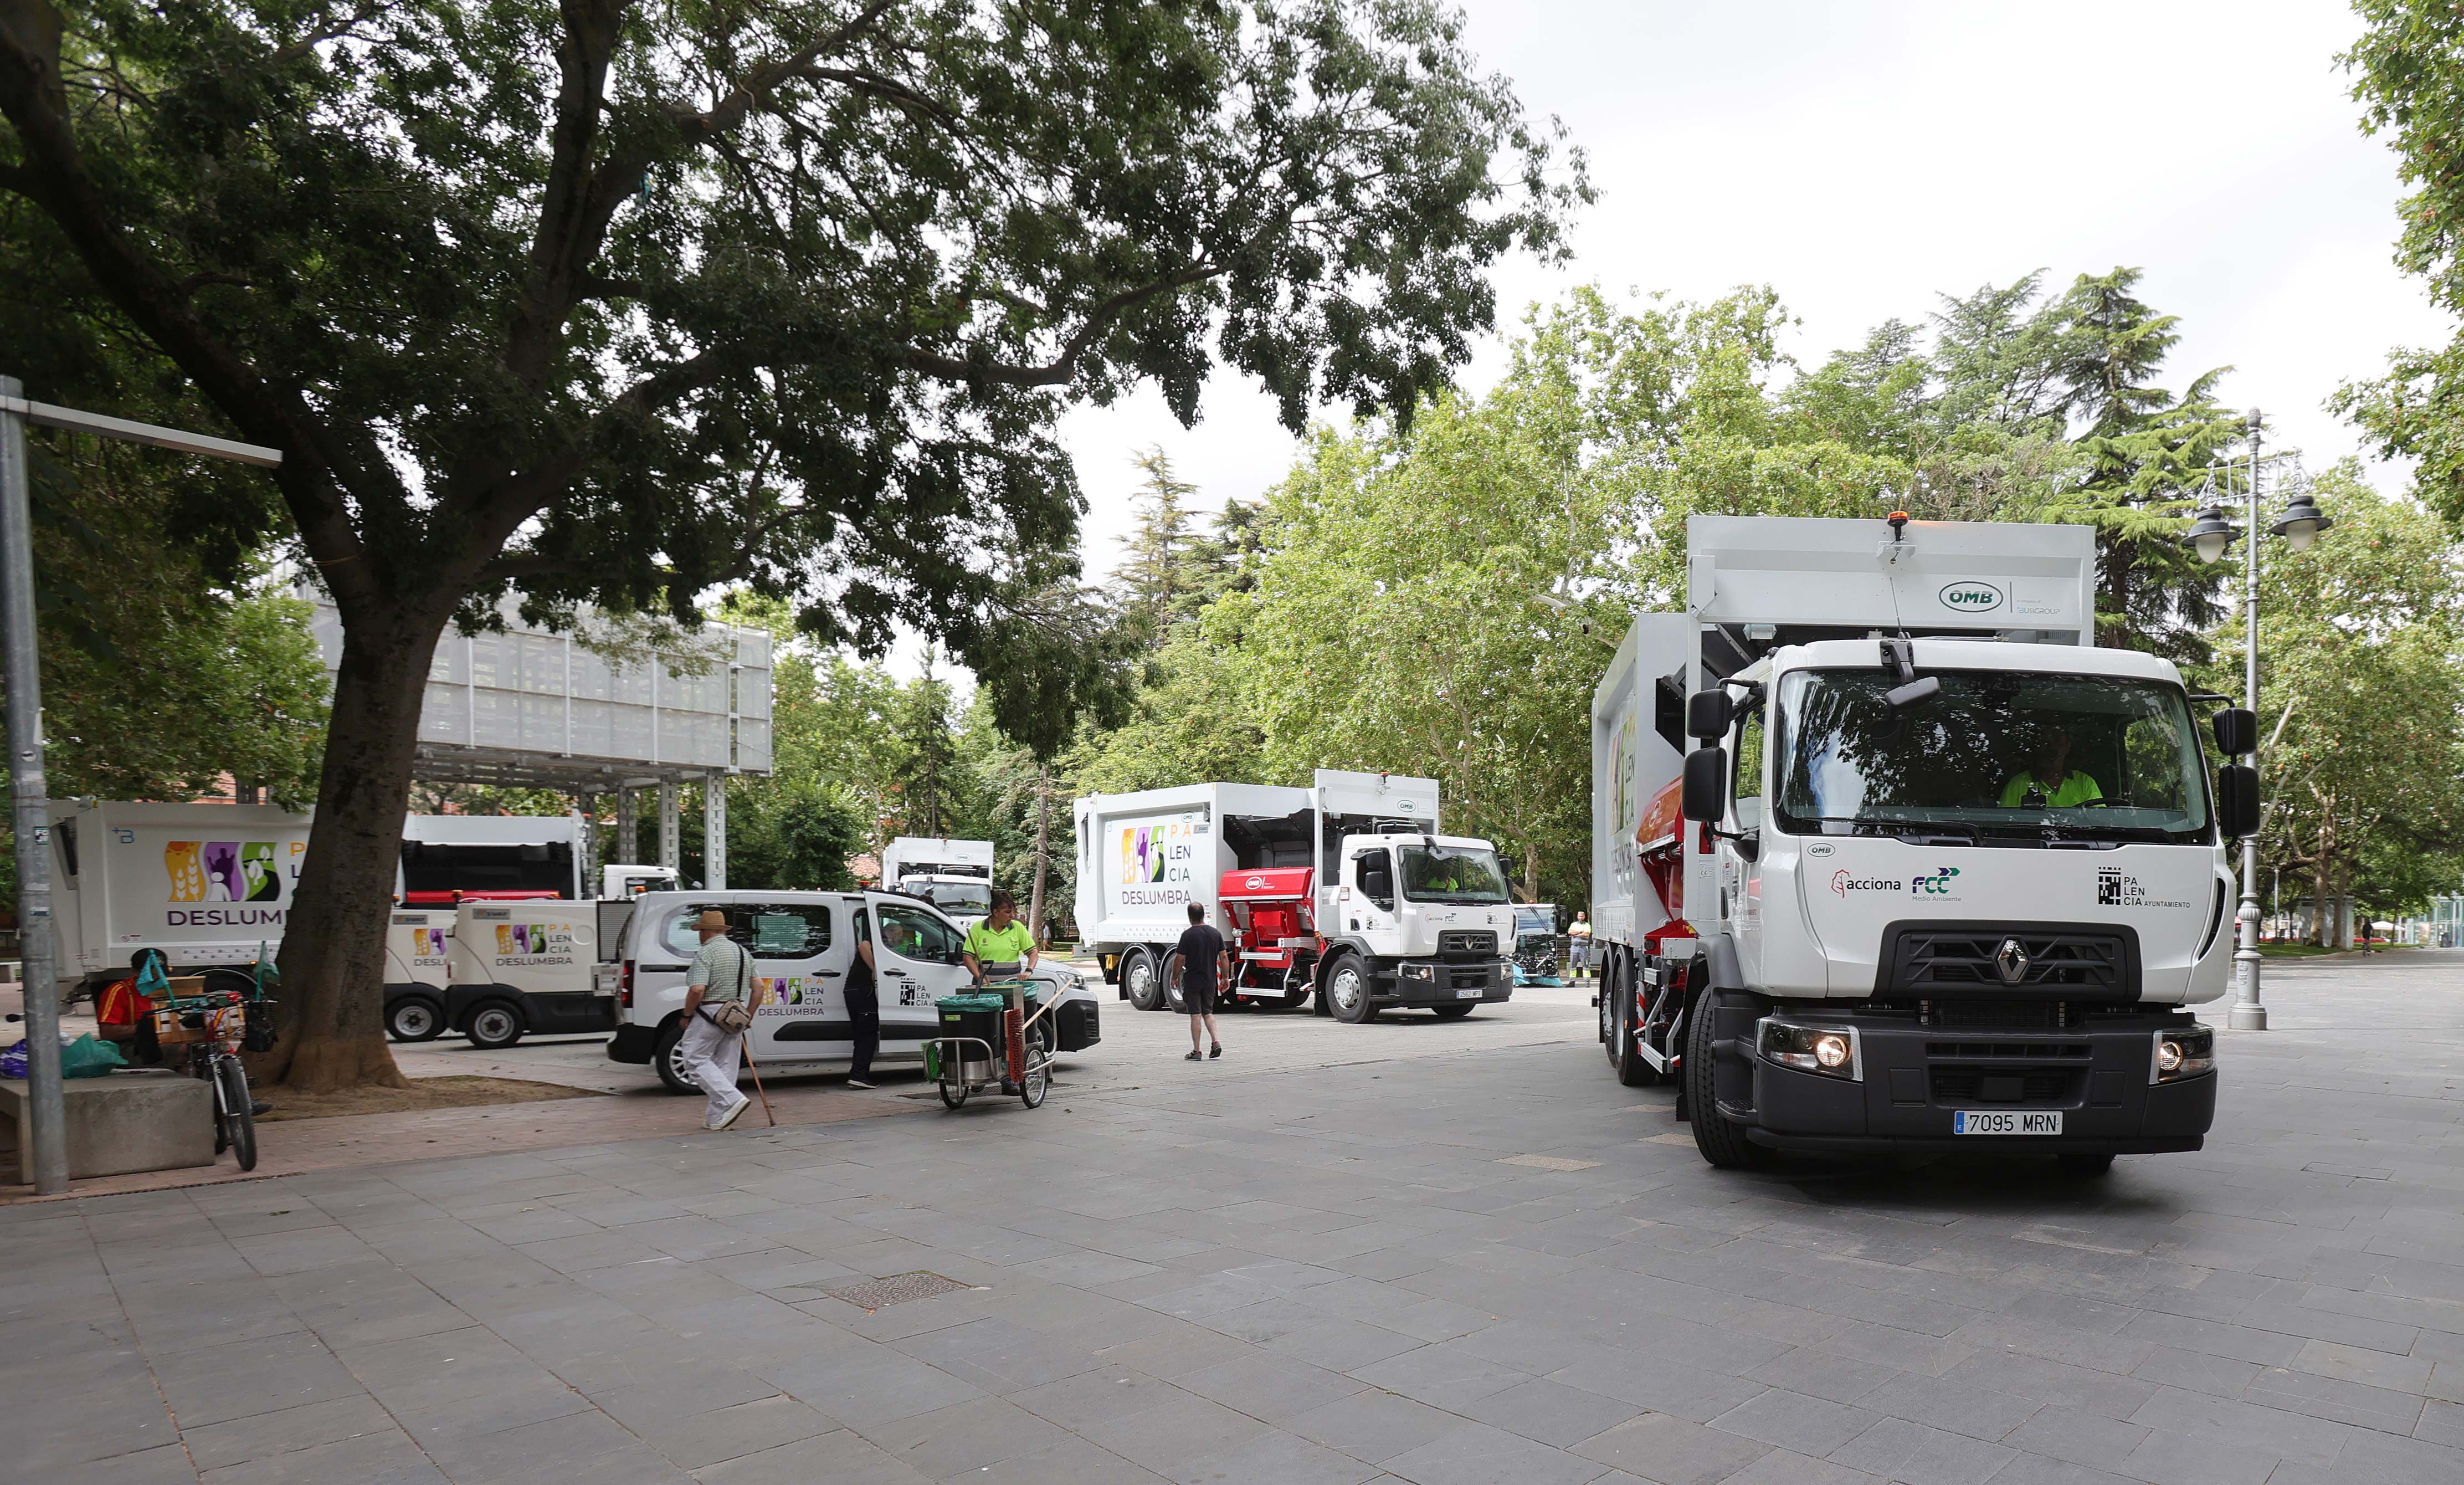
2302, 523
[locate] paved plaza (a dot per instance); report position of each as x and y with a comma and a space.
1395, 1253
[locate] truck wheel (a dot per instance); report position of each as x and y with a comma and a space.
1606, 1001
664, 1060
1138, 973
2085, 1165
1172, 996
1721, 1142
1298, 1000
414, 1018
1625, 1053
1346, 991
494, 1024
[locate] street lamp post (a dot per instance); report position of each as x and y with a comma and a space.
46, 1131
2209, 537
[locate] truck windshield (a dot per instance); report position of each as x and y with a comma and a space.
970, 897
2029, 757
1452, 874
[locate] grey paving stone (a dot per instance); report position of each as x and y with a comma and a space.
1549, 1412
1785, 1467
387, 1458
697, 1440
2441, 1423
841, 1458
1661, 1384
1374, 1426
2169, 1458
1477, 1455
1444, 1375
1824, 1374
2054, 1384
2096, 1441
880, 1386
1792, 1420
221, 1382
1095, 1396
999, 1354
1274, 1458
1978, 1412
1672, 1450
962, 1438
1910, 1454
1344, 1344
1074, 1461
2374, 1458
165, 1464
1173, 1430
1270, 1388
263, 1435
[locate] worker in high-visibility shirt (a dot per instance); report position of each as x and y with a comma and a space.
2051, 783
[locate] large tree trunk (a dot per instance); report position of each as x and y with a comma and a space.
1043, 852
332, 942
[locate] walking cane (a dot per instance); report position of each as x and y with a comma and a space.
755, 1069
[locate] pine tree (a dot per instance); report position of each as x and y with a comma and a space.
1153, 576
924, 732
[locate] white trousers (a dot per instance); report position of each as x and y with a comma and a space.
710, 1057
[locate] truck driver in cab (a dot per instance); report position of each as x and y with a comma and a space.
2051, 783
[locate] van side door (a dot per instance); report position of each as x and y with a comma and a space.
801, 952
917, 954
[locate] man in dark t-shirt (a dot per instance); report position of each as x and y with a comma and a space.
1199, 954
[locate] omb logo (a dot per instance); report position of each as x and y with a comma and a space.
1845, 883
1972, 597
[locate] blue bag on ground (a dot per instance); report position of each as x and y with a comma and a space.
12, 1060
87, 1058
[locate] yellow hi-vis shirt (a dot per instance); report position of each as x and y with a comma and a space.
2076, 788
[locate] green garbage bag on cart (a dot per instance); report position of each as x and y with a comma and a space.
87, 1058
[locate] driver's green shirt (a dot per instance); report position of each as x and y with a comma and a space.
2076, 788
1000, 945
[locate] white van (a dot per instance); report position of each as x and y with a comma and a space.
803, 944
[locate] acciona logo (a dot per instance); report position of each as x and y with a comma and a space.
1844, 883
1972, 597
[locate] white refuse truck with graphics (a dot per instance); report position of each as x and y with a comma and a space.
1889, 856
954, 876
205, 884
1375, 910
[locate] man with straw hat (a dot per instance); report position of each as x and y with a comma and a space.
718, 1005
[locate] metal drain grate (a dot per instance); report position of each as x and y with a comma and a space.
896, 1289
1547, 1162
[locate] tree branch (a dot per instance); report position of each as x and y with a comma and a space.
1061, 368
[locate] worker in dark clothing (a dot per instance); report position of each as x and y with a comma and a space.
1199, 954
864, 1007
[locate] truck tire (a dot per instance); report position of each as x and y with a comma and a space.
1624, 1054
1722, 1144
1605, 1003
1346, 991
416, 1018
1139, 974
1172, 996
494, 1024
662, 1058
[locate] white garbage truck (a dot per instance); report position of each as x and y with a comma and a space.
1343, 890
954, 876
1888, 855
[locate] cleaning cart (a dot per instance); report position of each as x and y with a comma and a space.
996, 1035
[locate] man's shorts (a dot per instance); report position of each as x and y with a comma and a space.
1197, 995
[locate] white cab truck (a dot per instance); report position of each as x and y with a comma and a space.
1936, 872
954, 876
446, 855
1391, 914
803, 947
627, 879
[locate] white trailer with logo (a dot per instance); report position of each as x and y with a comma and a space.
1395, 916
528, 969
1939, 875
206, 884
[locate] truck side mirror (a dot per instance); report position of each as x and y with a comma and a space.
1709, 713
2237, 731
1706, 784
2236, 798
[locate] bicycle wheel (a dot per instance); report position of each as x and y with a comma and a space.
1039, 1075
204, 1072
238, 1113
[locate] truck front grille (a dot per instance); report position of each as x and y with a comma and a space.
2027, 961
1964, 1087
1467, 941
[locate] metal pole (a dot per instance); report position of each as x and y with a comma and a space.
2248, 1014
714, 831
48, 1133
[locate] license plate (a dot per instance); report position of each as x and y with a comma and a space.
1471, 993
2007, 1121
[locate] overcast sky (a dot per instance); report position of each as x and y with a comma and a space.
1859, 158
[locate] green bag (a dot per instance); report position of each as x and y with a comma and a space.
87, 1058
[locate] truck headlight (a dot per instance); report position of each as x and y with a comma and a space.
1419, 971
2183, 1052
1832, 1050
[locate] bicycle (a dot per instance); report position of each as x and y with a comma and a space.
208, 1032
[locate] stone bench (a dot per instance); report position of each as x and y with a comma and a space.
124, 1122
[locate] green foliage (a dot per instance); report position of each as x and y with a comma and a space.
2408, 70
2362, 662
